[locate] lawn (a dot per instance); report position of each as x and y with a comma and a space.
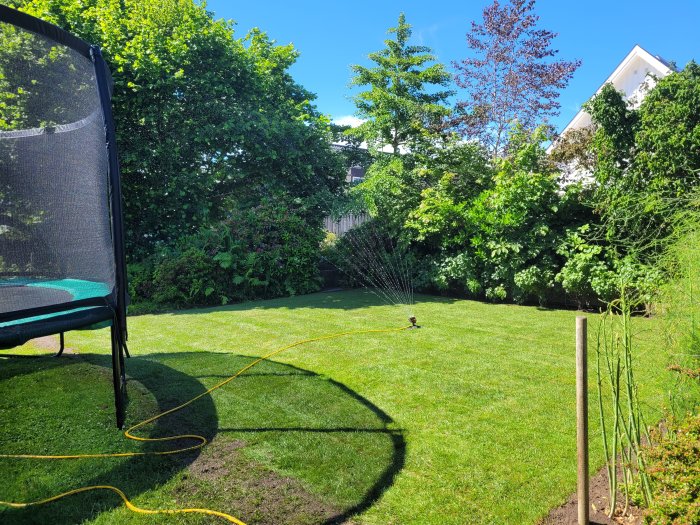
470, 419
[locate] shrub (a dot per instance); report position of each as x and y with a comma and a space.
267, 251
491, 229
188, 279
507, 237
585, 265
458, 271
674, 468
533, 282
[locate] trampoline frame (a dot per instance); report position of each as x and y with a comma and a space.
113, 306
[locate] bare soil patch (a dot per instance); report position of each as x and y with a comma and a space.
567, 514
51, 343
252, 491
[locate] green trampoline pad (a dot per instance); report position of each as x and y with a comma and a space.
22, 293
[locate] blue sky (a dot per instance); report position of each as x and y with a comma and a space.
332, 35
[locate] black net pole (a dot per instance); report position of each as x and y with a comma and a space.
103, 86
117, 376
119, 332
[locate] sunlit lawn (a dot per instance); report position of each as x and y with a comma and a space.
470, 419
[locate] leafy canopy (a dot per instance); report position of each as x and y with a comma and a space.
511, 77
206, 122
646, 160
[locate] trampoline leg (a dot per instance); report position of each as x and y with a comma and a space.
118, 377
62, 347
123, 369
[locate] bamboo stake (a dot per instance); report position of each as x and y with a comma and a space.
582, 419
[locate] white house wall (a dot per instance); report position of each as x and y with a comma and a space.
634, 77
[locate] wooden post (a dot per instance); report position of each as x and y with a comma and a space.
582, 419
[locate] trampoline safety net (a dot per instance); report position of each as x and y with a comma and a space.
61, 248
55, 216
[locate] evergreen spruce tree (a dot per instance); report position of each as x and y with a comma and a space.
404, 105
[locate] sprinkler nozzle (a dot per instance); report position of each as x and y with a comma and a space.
413, 321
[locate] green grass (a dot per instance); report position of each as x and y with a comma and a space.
470, 419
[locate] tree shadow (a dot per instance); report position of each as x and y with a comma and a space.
375, 422
388, 475
271, 403
134, 476
334, 300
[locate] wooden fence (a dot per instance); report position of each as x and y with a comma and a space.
344, 223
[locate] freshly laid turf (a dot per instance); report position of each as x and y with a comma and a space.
470, 419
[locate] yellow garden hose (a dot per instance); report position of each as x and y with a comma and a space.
201, 440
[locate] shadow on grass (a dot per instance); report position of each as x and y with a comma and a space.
135, 475
313, 406
377, 423
338, 300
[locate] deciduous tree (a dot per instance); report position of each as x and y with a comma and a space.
511, 77
206, 122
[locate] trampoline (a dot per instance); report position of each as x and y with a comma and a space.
62, 262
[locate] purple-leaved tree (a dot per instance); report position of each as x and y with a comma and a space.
511, 78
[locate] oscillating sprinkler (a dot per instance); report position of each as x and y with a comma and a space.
413, 321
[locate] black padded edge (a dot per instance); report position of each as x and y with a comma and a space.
50, 309
15, 335
35, 25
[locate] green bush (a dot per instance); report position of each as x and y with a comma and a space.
674, 468
497, 238
189, 278
267, 251
585, 274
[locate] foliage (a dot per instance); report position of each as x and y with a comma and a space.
594, 273
349, 147
645, 160
674, 469
395, 186
622, 424
512, 79
674, 457
458, 175
637, 197
586, 273
495, 233
514, 233
679, 295
404, 106
266, 251
613, 138
678, 304
391, 188
668, 139
205, 121
572, 152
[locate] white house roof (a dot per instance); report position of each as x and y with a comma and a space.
631, 77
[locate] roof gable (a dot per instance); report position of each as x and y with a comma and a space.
630, 77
